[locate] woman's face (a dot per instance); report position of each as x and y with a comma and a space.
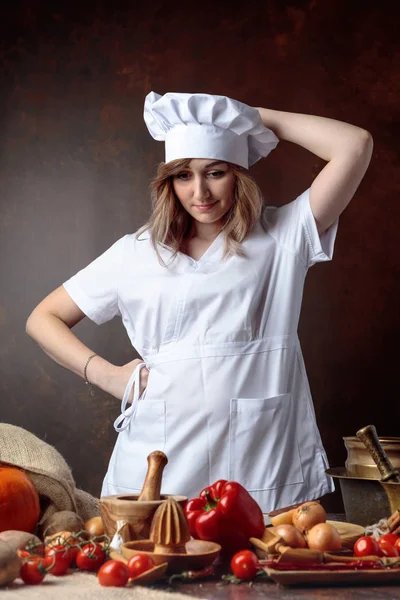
206, 189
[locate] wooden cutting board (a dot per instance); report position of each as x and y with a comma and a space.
322, 577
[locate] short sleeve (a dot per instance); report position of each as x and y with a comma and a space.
293, 226
95, 288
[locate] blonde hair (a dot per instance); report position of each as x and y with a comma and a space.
170, 224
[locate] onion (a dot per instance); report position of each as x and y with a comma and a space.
308, 515
323, 536
95, 526
291, 536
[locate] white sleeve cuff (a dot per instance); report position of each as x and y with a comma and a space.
321, 247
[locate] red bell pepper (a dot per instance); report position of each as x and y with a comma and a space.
225, 513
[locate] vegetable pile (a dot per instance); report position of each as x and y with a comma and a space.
26, 556
224, 513
306, 527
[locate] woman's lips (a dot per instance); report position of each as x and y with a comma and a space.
205, 207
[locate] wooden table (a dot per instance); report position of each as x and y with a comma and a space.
271, 591
213, 590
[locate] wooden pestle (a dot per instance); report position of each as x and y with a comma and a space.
151, 489
371, 441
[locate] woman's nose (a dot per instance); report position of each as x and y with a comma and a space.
200, 188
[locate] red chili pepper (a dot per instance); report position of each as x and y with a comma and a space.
192, 575
225, 513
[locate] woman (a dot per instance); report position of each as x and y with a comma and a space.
210, 294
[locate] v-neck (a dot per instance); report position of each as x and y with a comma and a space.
206, 256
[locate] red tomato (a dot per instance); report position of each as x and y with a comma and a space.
139, 563
366, 546
397, 544
113, 573
244, 564
61, 557
387, 549
34, 569
91, 557
389, 537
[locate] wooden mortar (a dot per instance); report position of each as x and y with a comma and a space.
137, 510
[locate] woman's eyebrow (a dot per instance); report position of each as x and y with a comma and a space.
213, 163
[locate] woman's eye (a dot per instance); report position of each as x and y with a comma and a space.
215, 174
183, 176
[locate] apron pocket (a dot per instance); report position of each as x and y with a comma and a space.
144, 434
263, 449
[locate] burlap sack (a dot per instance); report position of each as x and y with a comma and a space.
48, 470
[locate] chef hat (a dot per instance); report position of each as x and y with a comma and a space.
207, 126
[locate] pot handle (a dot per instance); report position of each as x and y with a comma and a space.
371, 441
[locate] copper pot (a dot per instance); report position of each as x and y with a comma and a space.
359, 462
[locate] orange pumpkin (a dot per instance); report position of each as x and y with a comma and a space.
19, 501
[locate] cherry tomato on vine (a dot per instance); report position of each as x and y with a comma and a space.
70, 541
244, 564
34, 569
113, 573
62, 558
139, 563
366, 546
387, 549
389, 537
91, 557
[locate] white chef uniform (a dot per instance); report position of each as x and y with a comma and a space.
227, 394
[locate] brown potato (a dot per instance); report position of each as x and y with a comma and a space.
18, 540
63, 520
9, 563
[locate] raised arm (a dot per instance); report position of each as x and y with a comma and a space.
50, 326
346, 148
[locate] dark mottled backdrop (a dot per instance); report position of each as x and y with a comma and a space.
76, 160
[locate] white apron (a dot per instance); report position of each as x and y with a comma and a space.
227, 394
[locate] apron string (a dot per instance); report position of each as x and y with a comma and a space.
127, 414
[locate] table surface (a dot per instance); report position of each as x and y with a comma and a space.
215, 589
272, 591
